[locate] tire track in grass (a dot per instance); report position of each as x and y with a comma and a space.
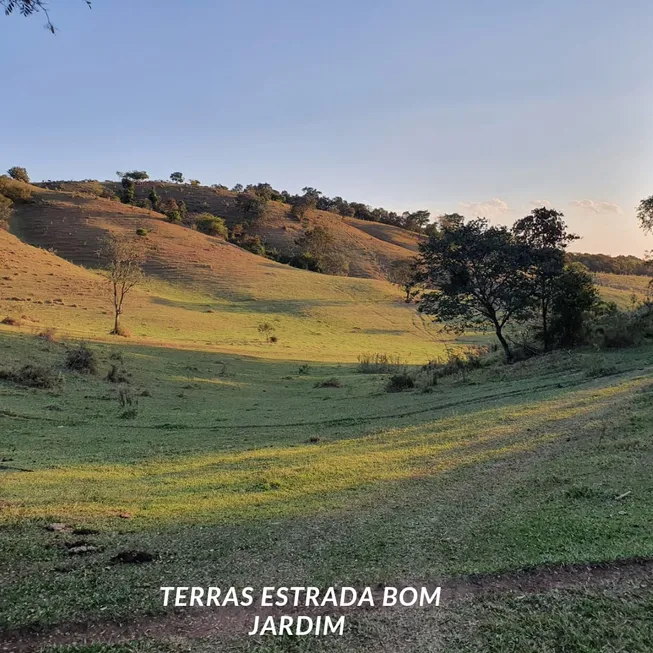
232, 623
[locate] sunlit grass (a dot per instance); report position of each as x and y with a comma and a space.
285, 481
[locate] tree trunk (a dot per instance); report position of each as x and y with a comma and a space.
116, 325
504, 343
545, 326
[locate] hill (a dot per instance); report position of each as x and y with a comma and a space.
370, 248
201, 292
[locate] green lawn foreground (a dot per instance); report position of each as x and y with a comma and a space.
242, 470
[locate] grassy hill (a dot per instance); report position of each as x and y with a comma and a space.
201, 292
524, 490
370, 248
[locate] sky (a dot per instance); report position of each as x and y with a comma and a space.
478, 107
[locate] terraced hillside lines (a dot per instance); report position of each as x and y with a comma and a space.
621, 288
387, 232
370, 247
200, 292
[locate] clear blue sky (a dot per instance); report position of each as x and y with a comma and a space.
471, 106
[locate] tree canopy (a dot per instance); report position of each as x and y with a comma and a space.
477, 276
545, 234
645, 214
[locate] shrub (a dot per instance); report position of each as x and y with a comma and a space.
304, 369
400, 382
6, 208
174, 216
378, 363
11, 321
94, 188
267, 330
457, 362
17, 191
141, 231
49, 334
211, 225
251, 206
117, 375
19, 174
619, 329
81, 359
33, 376
333, 382
128, 402
253, 244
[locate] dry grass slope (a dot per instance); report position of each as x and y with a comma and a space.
370, 247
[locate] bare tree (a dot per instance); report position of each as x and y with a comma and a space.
123, 258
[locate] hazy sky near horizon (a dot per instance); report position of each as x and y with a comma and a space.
485, 108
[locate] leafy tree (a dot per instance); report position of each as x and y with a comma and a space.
123, 258
153, 196
299, 207
262, 190
545, 234
211, 225
19, 174
29, 7
136, 175
319, 245
404, 273
645, 214
238, 188
415, 221
251, 206
478, 277
311, 193
342, 207
128, 190
177, 177
183, 210
574, 299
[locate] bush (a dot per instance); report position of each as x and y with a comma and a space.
49, 334
11, 321
378, 363
117, 375
94, 188
6, 208
33, 376
211, 225
174, 216
81, 359
620, 329
333, 382
19, 174
456, 363
141, 231
17, 191
267, 330
400, 382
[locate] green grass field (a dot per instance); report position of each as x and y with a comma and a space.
233, 464
240, 469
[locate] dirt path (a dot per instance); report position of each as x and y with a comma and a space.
230, 623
